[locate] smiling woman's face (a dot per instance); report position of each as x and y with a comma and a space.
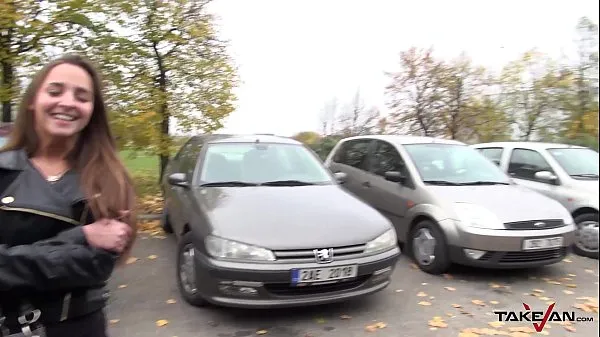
64, 103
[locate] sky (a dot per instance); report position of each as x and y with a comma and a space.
295, 55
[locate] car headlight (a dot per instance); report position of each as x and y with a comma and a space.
385, 241
473, 215
228, 249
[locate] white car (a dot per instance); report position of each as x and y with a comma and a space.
566, 173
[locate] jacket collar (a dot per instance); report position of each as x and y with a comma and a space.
15, 160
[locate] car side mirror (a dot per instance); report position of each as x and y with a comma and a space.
546, 176
178, 179
395, 176
340, 177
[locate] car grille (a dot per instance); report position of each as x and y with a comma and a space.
285, 289
307, 255
530, 224
518, 257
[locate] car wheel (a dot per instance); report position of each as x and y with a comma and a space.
165, 224
429, 249
586, 237
186, 272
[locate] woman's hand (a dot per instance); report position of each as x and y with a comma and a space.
108, 234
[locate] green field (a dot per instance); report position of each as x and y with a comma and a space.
144, 170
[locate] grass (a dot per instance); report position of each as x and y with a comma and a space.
144, 170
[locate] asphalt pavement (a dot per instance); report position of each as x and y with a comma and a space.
145, 302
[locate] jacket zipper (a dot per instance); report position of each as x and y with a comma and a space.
42, 213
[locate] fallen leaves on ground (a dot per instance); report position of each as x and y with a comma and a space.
152, 257
494, 302
553, 282
438, 322
114, 321
122, 286
456, 306
345, 317
425, 303
448, 276
571, 285
261, 332
320, 320
568, 292
131, 260
421, 294
496, 324
538, 291
150, 227
375, 327
567, 260
450, 288
478, 302
150, 204
171, 301
161, 322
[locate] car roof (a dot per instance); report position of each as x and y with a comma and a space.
245, 138
405, 140
530, 145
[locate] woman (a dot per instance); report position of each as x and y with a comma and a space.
66, 207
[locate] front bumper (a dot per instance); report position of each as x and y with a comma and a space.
504, 248
268, 285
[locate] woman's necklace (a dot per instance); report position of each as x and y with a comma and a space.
56, 177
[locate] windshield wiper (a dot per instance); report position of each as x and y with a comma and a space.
228, 184
473, 183
441, 182
287, 183
585, 175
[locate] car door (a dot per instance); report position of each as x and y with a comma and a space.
492, 153
522, 166
351, 158
179, 196
390, 198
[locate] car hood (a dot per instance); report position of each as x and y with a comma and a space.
290, 217
509, 203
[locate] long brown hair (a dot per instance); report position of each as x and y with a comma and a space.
104, 179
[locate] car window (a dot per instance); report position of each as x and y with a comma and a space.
577, 162
353, 153
187, 157
525, 163
492, 153
262, 162
3, 141
454, 163
386, 158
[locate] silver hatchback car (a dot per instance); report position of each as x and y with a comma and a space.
449, 203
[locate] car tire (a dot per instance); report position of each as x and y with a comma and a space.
186, 272
428, 231
165, 224
589, 220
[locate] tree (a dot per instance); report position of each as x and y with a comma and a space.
27, 29
532, 89
462, 85
328, 117
415, 96
358, 120
165, 64
307, 137
582, 103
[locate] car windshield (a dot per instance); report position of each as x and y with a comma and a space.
241, 164
454, 164
577, 162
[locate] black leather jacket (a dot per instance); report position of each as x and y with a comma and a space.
44, 257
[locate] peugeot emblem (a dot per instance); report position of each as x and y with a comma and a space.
539, 224
323, 255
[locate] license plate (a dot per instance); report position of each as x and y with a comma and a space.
544, 243
326, 274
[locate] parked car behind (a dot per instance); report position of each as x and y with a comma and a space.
450, 204
566, 173
260, 222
